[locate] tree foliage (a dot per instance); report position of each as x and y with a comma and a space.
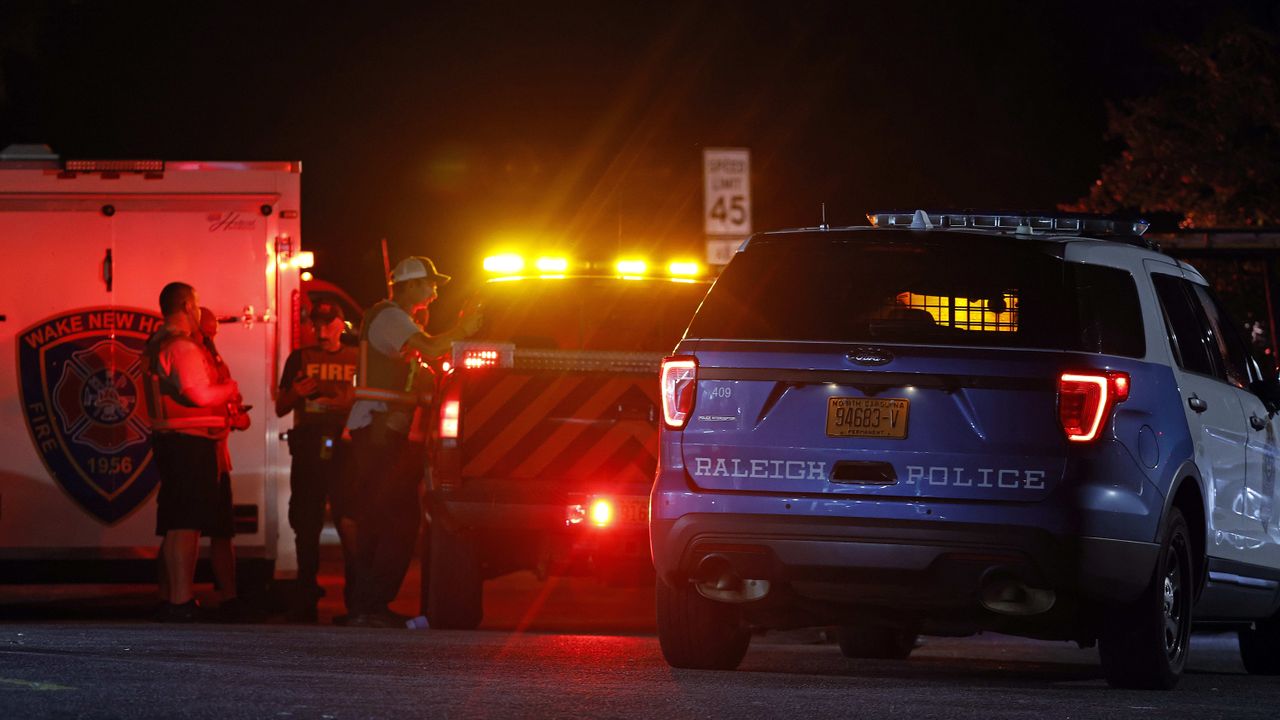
1207, 147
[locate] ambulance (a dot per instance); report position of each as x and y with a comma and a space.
87, 246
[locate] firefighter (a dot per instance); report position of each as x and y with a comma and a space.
392, 349
316, 386
190, 415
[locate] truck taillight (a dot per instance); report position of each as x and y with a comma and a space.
1086, 399
476, 355
601, 512
449, 410
476, 358
679, 383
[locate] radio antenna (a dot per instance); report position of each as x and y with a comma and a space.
824, 225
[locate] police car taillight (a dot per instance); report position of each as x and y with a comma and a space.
1086, 399
679, 383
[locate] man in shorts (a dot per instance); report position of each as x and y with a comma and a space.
190, 415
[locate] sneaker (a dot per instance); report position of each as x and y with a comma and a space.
187, 612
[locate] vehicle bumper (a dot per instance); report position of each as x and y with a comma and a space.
529, 524
903, 564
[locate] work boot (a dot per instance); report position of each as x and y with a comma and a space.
371, 620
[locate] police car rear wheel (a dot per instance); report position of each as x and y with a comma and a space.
698, 633
1260, 647
455, 598
1145, 645
876, 642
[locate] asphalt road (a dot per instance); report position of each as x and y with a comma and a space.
105, 670
564, 648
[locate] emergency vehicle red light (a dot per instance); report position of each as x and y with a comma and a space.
601, 513
473, 359
449, 411
114, 166
678, 381
1085, 400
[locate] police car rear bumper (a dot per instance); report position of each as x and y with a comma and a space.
900, 564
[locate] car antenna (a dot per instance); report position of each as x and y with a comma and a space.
824, 225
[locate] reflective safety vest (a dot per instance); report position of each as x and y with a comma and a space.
169, 411
385, 379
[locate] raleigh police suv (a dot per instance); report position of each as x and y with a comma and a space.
947, 423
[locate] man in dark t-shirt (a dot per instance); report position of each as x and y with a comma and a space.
316, 386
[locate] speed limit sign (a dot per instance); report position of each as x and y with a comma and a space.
727, 191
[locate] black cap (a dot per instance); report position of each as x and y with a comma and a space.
323, 313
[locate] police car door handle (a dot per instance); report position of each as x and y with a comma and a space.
1197, 404
1257, 423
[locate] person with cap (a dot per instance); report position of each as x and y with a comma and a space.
189, 405
316, 386
391, 352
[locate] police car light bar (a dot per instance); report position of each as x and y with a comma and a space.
1011, 222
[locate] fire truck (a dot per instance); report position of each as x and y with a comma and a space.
88, 245
546, 444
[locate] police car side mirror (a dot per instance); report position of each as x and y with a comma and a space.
1269, 392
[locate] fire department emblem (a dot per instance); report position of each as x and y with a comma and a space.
81, 376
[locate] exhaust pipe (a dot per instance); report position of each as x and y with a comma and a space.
716, 579
1007, 595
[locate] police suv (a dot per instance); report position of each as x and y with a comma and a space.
947, 423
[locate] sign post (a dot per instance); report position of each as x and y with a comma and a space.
726, 174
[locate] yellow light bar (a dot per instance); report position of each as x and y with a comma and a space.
684, 268
504, 264
551, 264
304, 259
631, 267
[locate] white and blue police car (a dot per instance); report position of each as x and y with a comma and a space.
953, 422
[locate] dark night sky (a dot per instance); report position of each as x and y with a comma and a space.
447, 127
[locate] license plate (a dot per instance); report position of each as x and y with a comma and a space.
633, 510
867, 417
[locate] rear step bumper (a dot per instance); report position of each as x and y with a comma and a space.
901, 563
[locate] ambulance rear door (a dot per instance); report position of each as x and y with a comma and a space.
91, 253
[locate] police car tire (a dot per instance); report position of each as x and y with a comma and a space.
1133, 644
875, 642
1260, 647
455, 598
698, 633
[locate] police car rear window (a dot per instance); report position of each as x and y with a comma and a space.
590, 313
970, 291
